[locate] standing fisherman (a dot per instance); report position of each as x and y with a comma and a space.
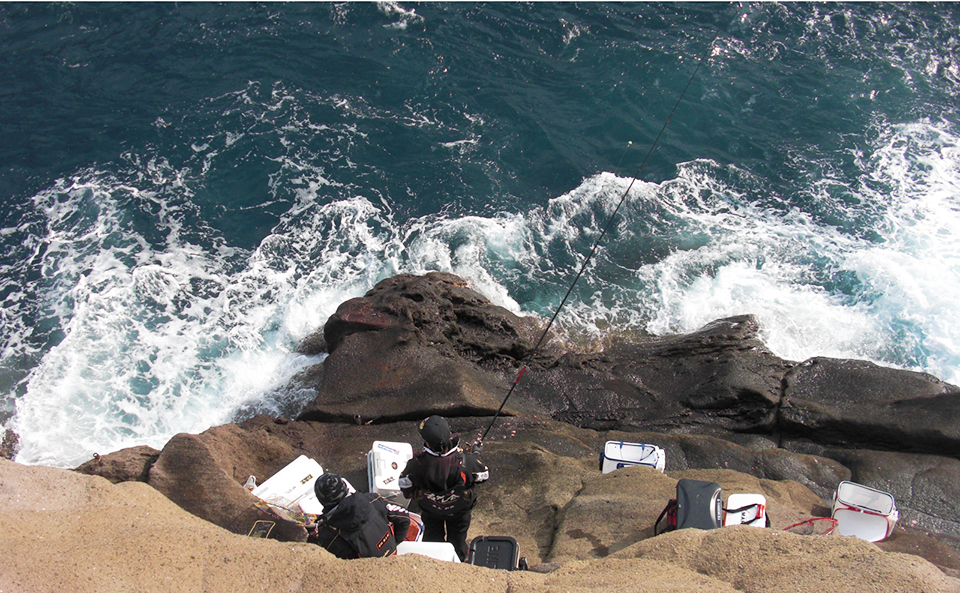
441, 478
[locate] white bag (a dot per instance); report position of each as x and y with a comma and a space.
864, 512
618, 454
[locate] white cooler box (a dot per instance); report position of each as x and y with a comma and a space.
864, 512
292, 487
438, 550
746, 509
617, 454
385, 461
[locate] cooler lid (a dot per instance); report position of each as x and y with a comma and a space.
866, 498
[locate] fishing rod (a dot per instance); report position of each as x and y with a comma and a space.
596, 243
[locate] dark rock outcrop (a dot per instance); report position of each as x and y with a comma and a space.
415, 340
717, 380
440, 310
428, 344
854, 403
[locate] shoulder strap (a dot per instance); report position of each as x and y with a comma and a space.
670, 512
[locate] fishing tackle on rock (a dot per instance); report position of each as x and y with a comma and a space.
596, 244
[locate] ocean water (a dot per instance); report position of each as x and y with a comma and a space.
191, 189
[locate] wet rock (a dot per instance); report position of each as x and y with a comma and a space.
418, 345
390, 375
854, 403
438, 309
10, 444
718, 379
415, 346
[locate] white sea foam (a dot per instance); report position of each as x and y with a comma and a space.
473, 247
911, 277
393, 9
163, 341
729, 255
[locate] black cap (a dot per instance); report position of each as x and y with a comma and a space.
436, 434
329, 489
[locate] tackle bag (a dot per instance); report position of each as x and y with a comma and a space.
618, 454
356, 528
698, 505
496, 552
864, 512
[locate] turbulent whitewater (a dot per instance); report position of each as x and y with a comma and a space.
190, 190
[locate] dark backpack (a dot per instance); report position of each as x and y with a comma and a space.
373, 540
359, 522
698, 504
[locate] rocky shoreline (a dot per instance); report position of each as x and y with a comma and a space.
722, 406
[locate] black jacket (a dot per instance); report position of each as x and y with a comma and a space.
443, 484
362, 526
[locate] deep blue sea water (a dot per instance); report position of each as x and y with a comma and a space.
190, 189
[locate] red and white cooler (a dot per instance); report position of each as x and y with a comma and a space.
864, 512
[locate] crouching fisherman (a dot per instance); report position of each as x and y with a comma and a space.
357, 525
441, 478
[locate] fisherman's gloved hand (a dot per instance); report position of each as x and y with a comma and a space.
477, 446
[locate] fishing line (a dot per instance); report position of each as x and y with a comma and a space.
596, 243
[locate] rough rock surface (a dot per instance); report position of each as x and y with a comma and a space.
9, 445
546, 489
65, 531
416, 339
717, 380
856, 403
412, 340
716, 400
126, 465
